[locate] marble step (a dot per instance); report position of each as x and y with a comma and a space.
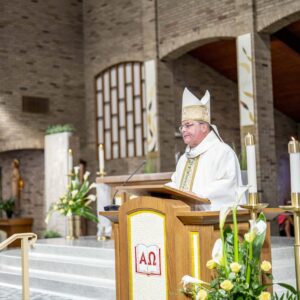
69, 286
75, 269
62, 264
90, 248
283, 262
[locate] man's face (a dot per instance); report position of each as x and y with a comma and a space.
193, 132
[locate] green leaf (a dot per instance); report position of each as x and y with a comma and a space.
288, 287
259, 239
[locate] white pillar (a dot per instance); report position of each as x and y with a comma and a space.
56, 170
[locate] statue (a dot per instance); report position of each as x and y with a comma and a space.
16, 185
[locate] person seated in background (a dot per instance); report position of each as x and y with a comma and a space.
209, 167
286, 222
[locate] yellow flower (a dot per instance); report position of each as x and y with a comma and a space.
249, 237
264, 296
71, 202
55, 207
235, 267
64, 201
266, 266
202, 295
211, 264
61, 210
226, 285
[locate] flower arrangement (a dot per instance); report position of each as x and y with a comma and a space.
236, 264
77, 199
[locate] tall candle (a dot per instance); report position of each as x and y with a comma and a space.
70, 161
294, 151
101, 158
251, 163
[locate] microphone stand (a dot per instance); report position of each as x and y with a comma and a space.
114, 206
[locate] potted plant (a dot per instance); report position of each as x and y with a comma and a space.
75, 203
8, 206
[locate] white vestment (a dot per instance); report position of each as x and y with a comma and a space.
217, 173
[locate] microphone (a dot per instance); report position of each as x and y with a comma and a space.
114, 206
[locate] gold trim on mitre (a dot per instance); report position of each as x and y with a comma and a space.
195, 113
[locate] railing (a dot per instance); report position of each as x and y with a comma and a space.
27, 240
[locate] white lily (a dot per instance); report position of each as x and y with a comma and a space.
186, 279
86, 175
217, 252
91, 197
73, 193
76, 170
259, 227
93, 186
224, 211
239, 192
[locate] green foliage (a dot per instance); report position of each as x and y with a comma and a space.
77, 200
49, 234
238, 277
52, 129
7, 205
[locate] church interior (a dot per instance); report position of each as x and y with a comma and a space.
105, 79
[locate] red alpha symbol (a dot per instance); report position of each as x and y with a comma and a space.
143, 259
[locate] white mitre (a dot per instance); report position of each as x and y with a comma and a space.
194, 109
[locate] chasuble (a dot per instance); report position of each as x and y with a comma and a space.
210, 170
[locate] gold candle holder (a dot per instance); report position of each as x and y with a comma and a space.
101, 173
102, 236
295, 209
293, 146
249, 139
254, 206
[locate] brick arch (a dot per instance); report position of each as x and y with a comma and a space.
277, 18
28, 143
101, 65
176, 47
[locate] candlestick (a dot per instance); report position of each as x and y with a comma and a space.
70, 162
253, 205
101, 159
294, 151
251, 163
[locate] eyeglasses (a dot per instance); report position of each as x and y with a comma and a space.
188, 126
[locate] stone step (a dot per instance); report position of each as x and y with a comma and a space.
90, 249
283, 263
62, 264
70, 285
82, 268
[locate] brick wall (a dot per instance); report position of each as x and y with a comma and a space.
285, 127
32, 172
113, 33
185, 23
41, 56
273, 16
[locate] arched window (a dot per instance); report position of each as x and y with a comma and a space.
121, 110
